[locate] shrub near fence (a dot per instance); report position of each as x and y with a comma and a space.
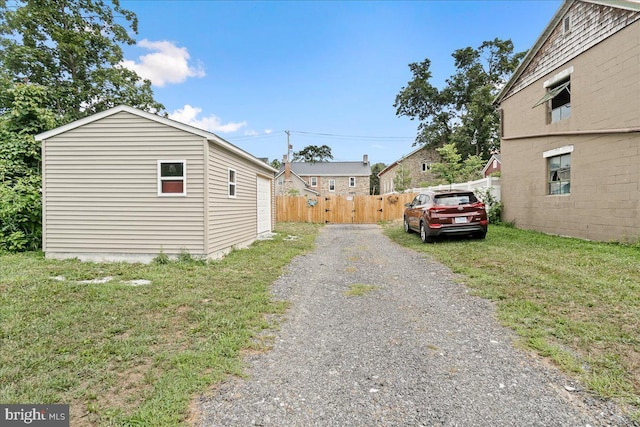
342, 209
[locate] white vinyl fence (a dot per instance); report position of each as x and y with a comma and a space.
491, 182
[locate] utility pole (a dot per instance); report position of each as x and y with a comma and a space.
289, 147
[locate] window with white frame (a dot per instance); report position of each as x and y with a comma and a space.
559, 170
232, 182
172, 177
352, 181
314, 181
426, 166
558, 96
332, 185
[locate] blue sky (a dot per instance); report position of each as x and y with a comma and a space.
328, 71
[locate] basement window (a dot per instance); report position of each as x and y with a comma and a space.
172, 178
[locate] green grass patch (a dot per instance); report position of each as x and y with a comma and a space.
573, 301
124, 353
359, 289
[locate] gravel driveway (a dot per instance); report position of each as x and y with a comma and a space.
416, 350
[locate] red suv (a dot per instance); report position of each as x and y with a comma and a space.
437, 213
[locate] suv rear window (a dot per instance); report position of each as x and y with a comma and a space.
455, 199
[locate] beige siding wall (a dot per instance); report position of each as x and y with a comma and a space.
232, 222
100, 184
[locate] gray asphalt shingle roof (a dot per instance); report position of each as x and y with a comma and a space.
330, 168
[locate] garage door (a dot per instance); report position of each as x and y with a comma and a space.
264, 205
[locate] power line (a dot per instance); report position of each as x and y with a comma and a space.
332, 135
324, 135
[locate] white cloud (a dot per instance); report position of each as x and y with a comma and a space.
268, 131
212, 123
251, 133
167, 63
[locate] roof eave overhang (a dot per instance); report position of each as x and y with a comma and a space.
169, 122
533, 51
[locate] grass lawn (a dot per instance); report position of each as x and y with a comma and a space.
124, 353
573, 301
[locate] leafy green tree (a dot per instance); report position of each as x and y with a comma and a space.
402, 179
449, 168
72, 47
374, 180
313, 154
453, 169
20, 179
276, 164
462, 112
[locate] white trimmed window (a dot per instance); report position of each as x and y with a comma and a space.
352, 181
559, 170
172, 177
332, 185
232, 183
557, 97
314, 181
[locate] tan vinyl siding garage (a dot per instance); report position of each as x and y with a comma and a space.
101, 189
231, 218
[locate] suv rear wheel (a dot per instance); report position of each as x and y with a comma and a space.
423, 234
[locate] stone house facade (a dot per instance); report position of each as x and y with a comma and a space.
416, 167
324, 178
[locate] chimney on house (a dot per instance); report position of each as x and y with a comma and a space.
365, 159
287, 168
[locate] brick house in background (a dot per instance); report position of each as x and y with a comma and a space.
417, 166
571, 125
324, 178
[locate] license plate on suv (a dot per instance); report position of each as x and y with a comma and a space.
460, 220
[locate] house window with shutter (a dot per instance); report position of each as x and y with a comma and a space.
172, 177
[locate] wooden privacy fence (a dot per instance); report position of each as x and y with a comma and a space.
342, 209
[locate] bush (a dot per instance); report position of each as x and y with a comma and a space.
21, 214
494, 207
